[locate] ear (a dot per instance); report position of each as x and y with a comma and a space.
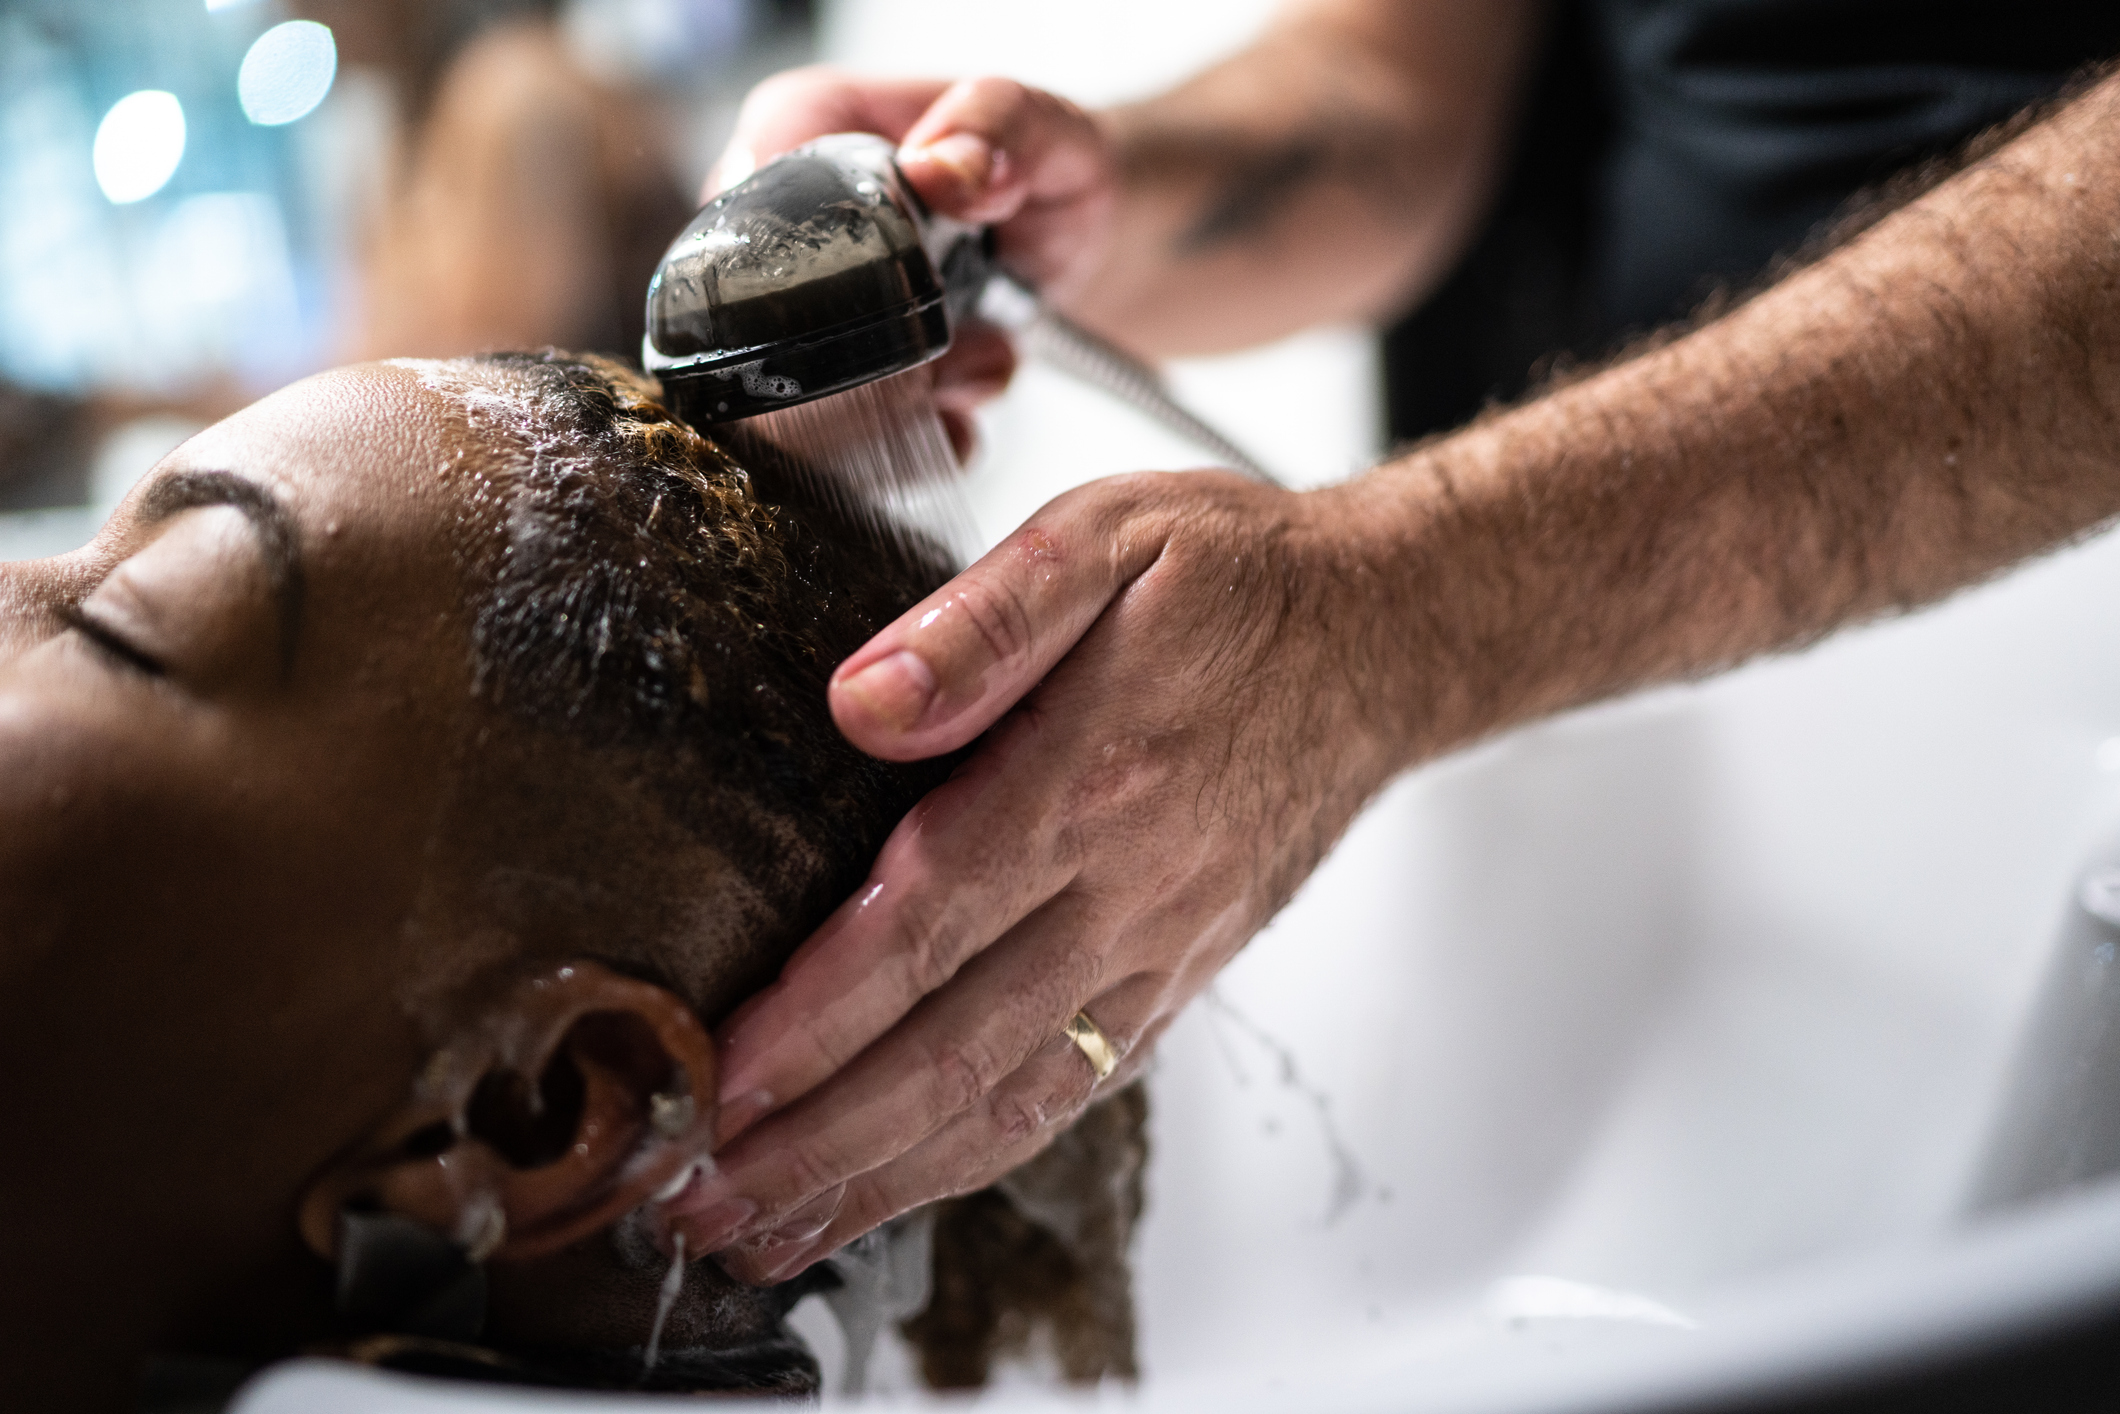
577, 1096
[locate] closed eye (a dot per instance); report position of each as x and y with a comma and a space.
112, 645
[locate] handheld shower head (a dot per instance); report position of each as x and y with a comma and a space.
823, 275
820, 272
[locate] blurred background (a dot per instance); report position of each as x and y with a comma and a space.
201, 200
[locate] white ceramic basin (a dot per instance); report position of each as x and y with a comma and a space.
1670, 997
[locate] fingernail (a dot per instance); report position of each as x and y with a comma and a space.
755, 1266
765, 1265
969, 157
712, 1228
791, 1262
739, 1112
811, 1218
895, 690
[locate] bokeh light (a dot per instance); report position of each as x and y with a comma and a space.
139, 144
287, 72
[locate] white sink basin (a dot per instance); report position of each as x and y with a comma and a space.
1672, 997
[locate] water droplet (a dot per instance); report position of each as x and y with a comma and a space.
673, 1282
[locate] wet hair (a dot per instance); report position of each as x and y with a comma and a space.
648, 595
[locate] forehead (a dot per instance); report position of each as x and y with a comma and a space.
362, 447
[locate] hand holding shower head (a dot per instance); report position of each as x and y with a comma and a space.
821, 276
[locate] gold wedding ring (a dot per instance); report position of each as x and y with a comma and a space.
1096, 1047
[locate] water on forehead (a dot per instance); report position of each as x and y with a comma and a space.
516, 443
497, 399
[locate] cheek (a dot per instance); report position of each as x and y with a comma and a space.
110, 830
58, 752
128, 810
195, 914
81, 743
32, 800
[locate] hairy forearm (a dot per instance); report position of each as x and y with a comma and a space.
1331, 171
1931, 402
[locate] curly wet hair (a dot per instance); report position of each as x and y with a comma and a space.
650, 595
649, 592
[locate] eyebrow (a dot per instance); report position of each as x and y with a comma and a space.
269, 519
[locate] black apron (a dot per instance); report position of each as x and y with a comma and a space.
1668, 147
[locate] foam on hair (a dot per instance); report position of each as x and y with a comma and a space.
642, 594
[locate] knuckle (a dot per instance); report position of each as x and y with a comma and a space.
1138, 515
1165, 989
927, 954
1017, 1118
810, 1168
1103, 512
1072, 1096
868, 1206
999, 616
1026, 1112
826, 1053
964, 1073
922, 968
1076, 974
1122, 787
1113, 500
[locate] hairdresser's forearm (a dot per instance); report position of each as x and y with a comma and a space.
1331, 171
1932, 402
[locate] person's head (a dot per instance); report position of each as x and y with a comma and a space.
371, 710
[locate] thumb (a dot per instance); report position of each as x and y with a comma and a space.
954, 663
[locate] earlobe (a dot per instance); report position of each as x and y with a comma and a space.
571, 1101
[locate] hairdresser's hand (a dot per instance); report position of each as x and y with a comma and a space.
1183, 675
988, 151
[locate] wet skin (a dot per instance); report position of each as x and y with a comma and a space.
203, 853
221, 783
